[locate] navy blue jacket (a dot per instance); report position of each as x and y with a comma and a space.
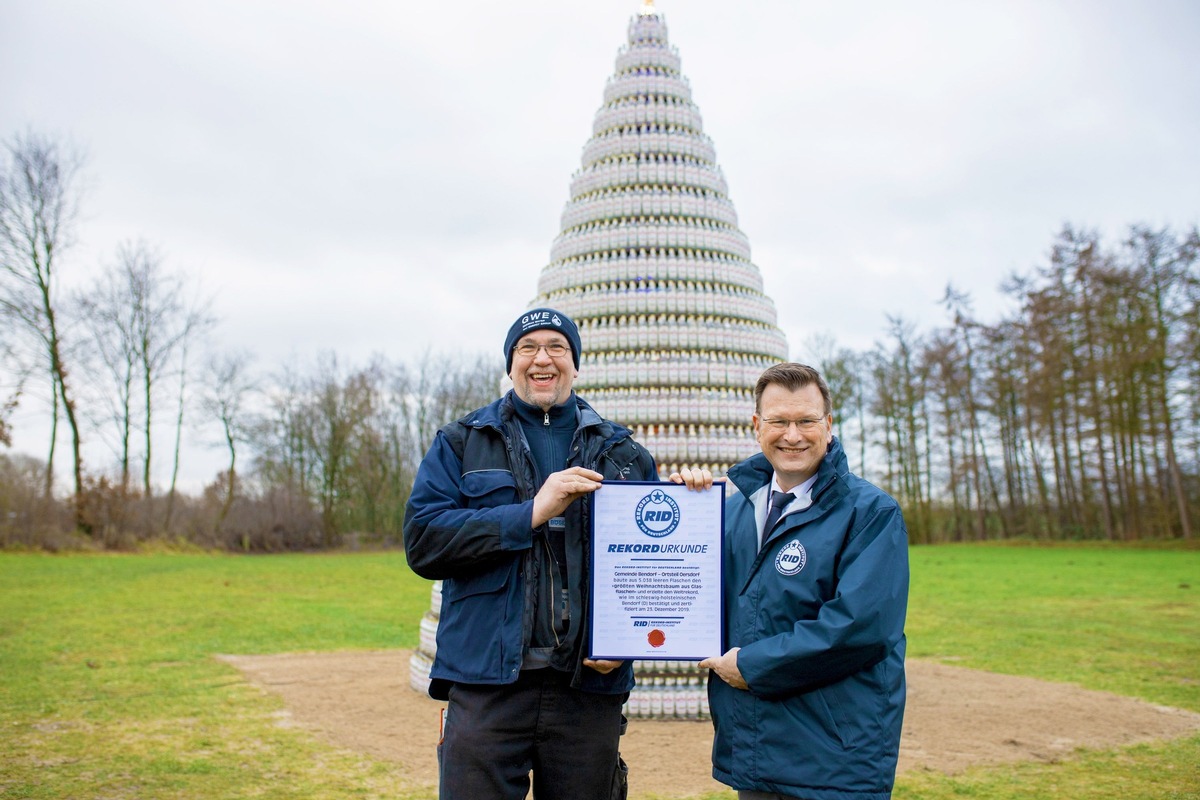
819, 617
468, 522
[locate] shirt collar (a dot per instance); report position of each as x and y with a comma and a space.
803, 490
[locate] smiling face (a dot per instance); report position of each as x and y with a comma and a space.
541, 380
794, 453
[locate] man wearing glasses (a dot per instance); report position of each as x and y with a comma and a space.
494, 515
808, 701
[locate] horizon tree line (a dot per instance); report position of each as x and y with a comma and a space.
1075, 416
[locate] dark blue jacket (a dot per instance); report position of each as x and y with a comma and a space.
468, 522
819, 617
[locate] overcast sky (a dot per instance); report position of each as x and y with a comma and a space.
387, 177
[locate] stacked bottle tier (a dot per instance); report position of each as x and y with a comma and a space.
636, 267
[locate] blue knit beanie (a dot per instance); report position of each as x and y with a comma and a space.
541, 319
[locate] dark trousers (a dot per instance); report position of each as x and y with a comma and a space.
496, 735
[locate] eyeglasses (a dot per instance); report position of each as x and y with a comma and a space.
554, 349
802, 425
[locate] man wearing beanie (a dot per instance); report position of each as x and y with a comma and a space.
498, 513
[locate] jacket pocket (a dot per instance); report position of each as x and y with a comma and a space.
487, 582
488, 488
852, 711
476, 629
620, 463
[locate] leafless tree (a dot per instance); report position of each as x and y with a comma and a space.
229, 388
1166, 265
280, 441
350, 439
442, 388
38, 205
147, 318
110, 308
157, 304
194, 321
339, 408
141, 321
902, 387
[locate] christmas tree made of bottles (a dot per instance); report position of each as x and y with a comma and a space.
651, 264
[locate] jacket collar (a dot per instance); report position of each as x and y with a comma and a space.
755, 472
500, 411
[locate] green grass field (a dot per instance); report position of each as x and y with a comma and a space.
109, 688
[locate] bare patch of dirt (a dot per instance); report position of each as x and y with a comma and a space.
955, 718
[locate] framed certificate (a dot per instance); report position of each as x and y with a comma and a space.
657, 559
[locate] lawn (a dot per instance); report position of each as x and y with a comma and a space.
108, 688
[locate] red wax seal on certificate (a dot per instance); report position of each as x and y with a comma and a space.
656, 638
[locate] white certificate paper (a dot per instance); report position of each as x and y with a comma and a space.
657, 557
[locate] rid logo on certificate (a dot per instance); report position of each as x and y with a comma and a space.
657, 557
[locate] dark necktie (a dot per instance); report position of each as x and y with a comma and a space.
778, 501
